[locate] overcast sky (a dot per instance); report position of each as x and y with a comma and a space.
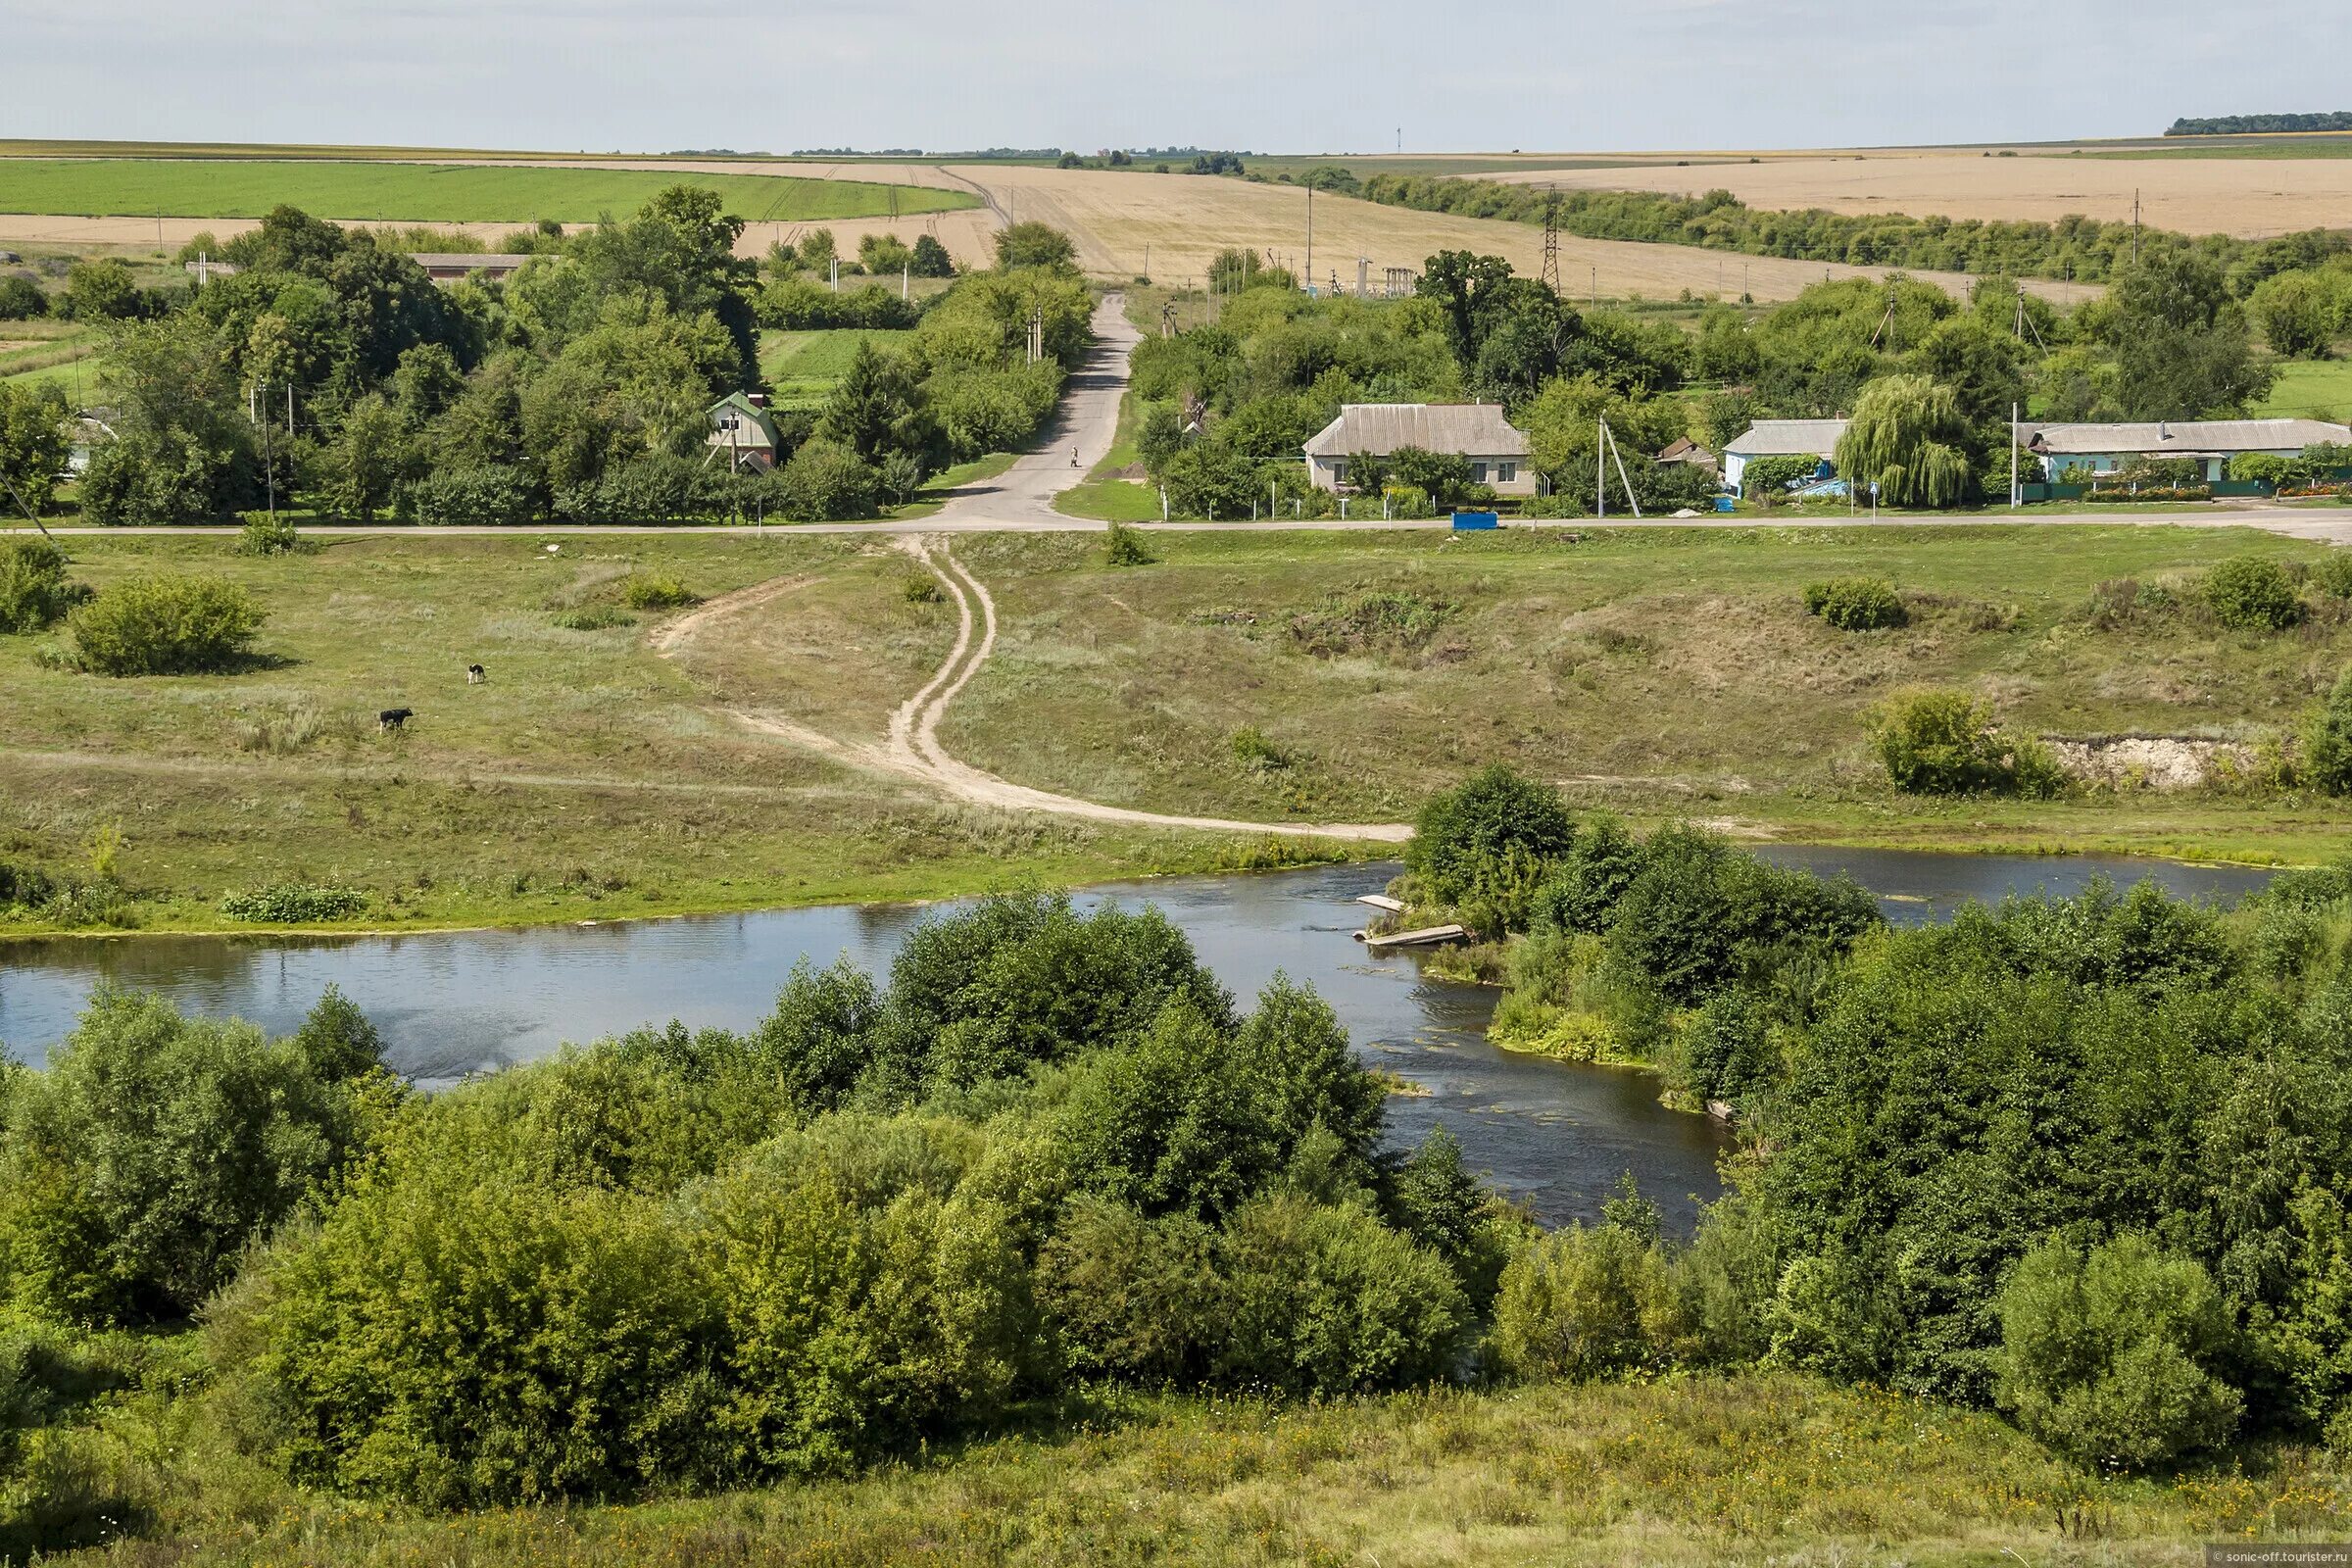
1274, 76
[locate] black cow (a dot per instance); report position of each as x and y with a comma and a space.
392, 718
474, 675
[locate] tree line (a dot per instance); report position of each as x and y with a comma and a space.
329, 373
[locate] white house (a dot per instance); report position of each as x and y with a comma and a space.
2211, 443
1780, 438
1478, 431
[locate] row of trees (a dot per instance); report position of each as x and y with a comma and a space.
330, 370
2074, 246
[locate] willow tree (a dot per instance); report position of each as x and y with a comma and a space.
1906, 436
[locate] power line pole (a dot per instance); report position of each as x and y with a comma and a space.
2134, 225
1309, 276
1551, 240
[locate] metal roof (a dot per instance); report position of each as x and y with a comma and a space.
2188, 437
1789, 438
1380, 429
469, 260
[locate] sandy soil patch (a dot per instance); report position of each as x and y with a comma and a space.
2250, 198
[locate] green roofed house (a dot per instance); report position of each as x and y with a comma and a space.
743, 431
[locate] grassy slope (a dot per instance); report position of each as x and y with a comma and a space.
1658, 673
2310, 389
804, 368
1661, 674
422, 193
588, 777
1739, 1471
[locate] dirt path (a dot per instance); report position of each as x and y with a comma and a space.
913, 750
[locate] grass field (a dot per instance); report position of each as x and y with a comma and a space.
1737, 1471
2310, 389
804, 368
588, 777
434, 193
1659, 674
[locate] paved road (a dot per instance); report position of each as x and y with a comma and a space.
1080, 436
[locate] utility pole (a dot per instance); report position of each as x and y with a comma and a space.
269, 468
2135, 226
1309, 278
1551, 240
1601, 468
2014, 494
1596, 286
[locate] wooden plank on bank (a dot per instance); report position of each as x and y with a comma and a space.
1427, 937
1382, 902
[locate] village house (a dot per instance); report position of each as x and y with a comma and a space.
1477, 432
2211, 444
452, 267
1781, 438
744, 431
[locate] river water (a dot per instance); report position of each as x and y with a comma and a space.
1556, 1135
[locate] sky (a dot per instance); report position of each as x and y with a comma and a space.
1268, 75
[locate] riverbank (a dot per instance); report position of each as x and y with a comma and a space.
620, 763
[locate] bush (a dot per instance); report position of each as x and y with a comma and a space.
592, 618
2252, 593
2331, 574
1777, 473
159, 625
485, 494
168, 479
2109, 1357
2261, 467
33, 590
293, 903
265, 535
22, 300
921, 588
1492, 834
825, 483
2328, 740
1124, 547
656, 590
1945, 743
1382, 622
151, 1149
1584, 1304
1856, 604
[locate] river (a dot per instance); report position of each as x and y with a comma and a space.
1556, 1135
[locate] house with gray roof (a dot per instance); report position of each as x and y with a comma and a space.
1781, 438
2209, 443
1496, 450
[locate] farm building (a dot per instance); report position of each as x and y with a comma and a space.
2209, 443
1477, 432
1781, 438
743, 431
1689, 454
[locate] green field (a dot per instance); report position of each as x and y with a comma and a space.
1659, 674
802, 368
429, 193
2310, 389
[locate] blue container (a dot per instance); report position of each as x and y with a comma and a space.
1466, 521
1726, 504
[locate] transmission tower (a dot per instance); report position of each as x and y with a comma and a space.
1551, 239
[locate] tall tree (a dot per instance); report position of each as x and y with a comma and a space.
1909, 437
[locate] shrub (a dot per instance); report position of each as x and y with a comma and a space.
168, 479
1256, 753
655, 590
25, 886
2260, 468
1945, 743
1777, 473
921, 588
1124, 547
265, 535
33, 590
1584, 1304
22, 300
2252, 593
1494, 830
150, 1151
2331, 574
293, 903
484, 494
1856, 604
2109, 1357
825, 483
162, 625
2328, 740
